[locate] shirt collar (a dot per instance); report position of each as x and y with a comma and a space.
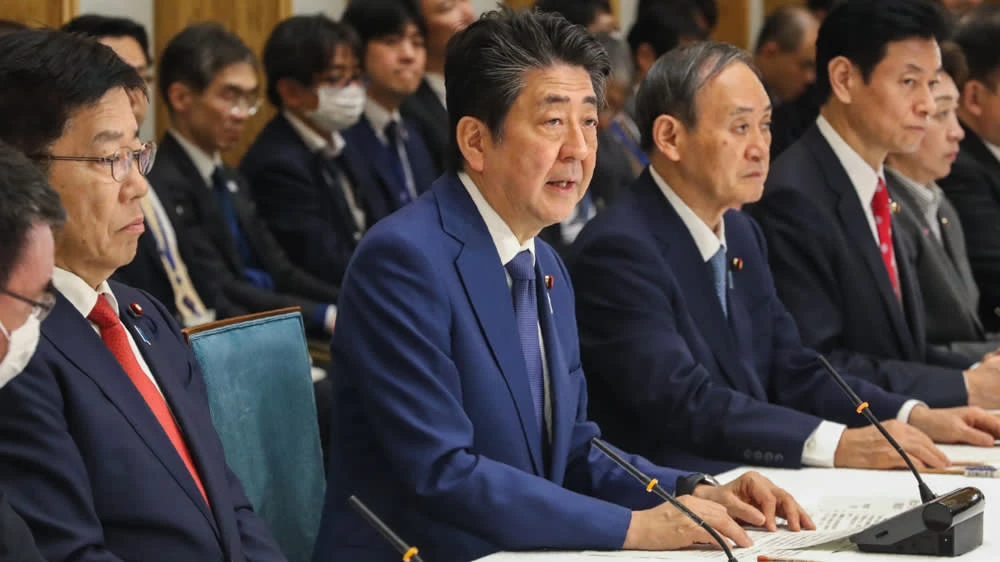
707, 240
330, 147
203, 162
862, 176
379, 117
82, 296
927, 196
993, 148
504, 239
437, 85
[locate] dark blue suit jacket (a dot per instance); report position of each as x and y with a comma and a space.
306, 211
670, 376
88, 466
433, 423
370, 154
831, 277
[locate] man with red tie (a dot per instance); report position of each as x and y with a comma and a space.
828, 219
107, 448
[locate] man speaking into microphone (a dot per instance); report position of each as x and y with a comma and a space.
690, 355
460, 415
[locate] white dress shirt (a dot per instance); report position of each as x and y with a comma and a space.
437, 84
509, 246
379, 117
83, 298
330, 148
821, 446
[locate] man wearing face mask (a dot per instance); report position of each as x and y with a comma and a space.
29, 209
308, 187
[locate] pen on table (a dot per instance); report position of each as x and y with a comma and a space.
973, 471
763, 558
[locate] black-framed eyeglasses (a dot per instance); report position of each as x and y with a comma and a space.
39, 309
120, 161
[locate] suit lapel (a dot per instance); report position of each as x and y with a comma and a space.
73, 336
148, 334
857, 230
210, 216
484, 279
694, 278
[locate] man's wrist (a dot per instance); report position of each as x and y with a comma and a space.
686, 484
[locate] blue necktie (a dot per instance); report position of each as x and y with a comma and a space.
251, 271
396, 163
522, 274
718, 263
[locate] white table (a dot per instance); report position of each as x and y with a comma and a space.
810, 485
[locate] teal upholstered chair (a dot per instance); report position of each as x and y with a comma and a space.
260, 392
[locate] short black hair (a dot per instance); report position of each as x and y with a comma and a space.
196, 54
784, 27
48, 75
25, 199
861, 31
301, 47
953, 63
662, 26
823, 5
7, 26
580, 12
978, 33
486, 63
686, 9
97, 26
671, 87
373, 19
709, 10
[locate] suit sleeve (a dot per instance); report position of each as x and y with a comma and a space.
397, 353
588, 470
255, 538
801, 382
974, 196
42, 469
295, 214
806, 284
15, 537
630, 338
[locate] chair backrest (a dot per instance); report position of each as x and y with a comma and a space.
260, 392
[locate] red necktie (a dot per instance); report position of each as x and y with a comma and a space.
883, 222
114, 336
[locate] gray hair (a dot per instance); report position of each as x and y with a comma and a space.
672, 84
25, 199
620, 57
486, 63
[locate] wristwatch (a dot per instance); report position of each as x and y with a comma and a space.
687, 484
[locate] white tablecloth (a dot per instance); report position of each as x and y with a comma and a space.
811, 485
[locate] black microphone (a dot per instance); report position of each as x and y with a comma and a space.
948, 525
409, 552
653, 485
926, 495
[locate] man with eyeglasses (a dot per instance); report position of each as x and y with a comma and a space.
107, 448
208, 80
29, 210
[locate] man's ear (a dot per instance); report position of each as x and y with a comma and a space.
973, 97
180, 96
844, 78
669, 136
474, 139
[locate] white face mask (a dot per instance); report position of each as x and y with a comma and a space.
21, 344
338, 108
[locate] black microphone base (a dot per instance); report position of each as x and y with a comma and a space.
950, 525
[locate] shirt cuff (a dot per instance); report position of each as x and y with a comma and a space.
330, 316
908, 406
821, 446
